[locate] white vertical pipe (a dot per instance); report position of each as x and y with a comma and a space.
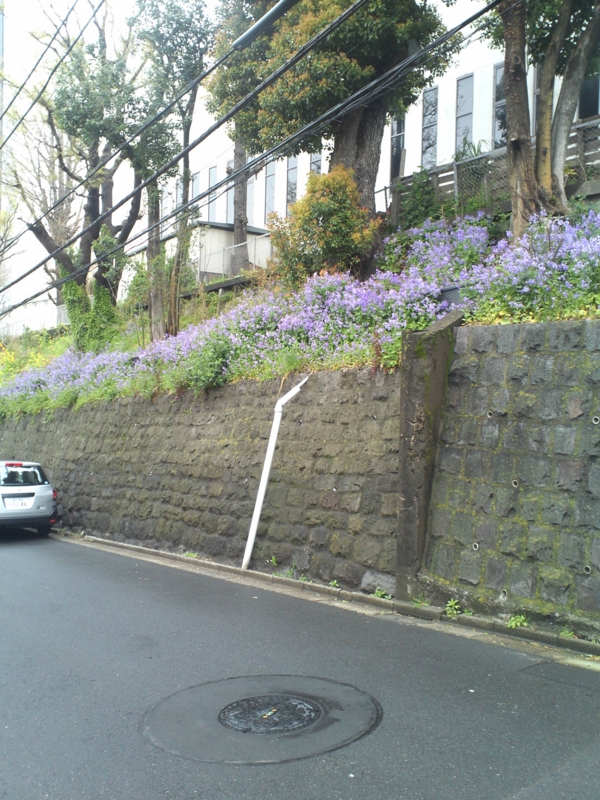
264, 478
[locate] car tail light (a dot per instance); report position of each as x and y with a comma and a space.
14, 464
54, 494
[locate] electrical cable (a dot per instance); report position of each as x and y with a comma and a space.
52, 72
241, 43
300, 53
39, 61
359, 98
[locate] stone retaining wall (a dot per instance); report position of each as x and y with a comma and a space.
514, 514
515, 511
184, 472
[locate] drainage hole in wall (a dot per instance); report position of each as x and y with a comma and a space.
475, 545
503, 594
587, 570
490, 414
515, 484
596, 420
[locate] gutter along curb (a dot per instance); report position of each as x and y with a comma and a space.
432, 613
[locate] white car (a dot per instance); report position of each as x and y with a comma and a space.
28, 499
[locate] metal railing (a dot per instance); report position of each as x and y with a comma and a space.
230, 261
482, 180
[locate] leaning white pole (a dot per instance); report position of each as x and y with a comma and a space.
264, 479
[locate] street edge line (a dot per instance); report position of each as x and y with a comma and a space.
432, 613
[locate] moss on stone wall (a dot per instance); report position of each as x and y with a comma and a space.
515, 511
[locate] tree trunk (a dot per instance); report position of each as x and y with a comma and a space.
154, 262
568, 98
521, 175
91, 213
543, 143
182, 252
357, 145
62, 258
239, 258
109, 270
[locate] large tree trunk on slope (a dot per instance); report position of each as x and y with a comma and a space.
154, 261
568, 98
543, 143
62, 258
182, 252
521, 176
239, 256
357, 145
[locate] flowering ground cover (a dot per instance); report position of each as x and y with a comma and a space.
553, 273
335, 321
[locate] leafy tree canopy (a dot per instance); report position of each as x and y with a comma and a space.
242, 72
376, 38
178, 35
542, 16
94, 95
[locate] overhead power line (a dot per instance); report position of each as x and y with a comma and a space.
300, 53
263, 23
362, 97
255, 30
39, 61
52, 73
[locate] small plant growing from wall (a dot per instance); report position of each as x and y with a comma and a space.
452, 609
517, 621
379, 592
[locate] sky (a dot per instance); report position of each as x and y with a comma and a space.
26, 16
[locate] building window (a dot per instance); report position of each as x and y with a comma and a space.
165, 203
588, 97
179, 193
430, 116
212, 198
195, 187
292, 183
397, 165
166, 206
269, 190
499, 107
464, 112
230, 209
315, 163
250, 200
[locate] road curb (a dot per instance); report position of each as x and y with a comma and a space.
431, 613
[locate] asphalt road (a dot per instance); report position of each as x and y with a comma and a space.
90, 641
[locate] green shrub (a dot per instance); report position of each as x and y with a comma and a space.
207, 366
327, 229
93, 324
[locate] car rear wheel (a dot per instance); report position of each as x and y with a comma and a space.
44, 530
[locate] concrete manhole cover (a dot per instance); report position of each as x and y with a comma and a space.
297, 716
270, 714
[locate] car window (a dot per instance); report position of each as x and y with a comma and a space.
22, 476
